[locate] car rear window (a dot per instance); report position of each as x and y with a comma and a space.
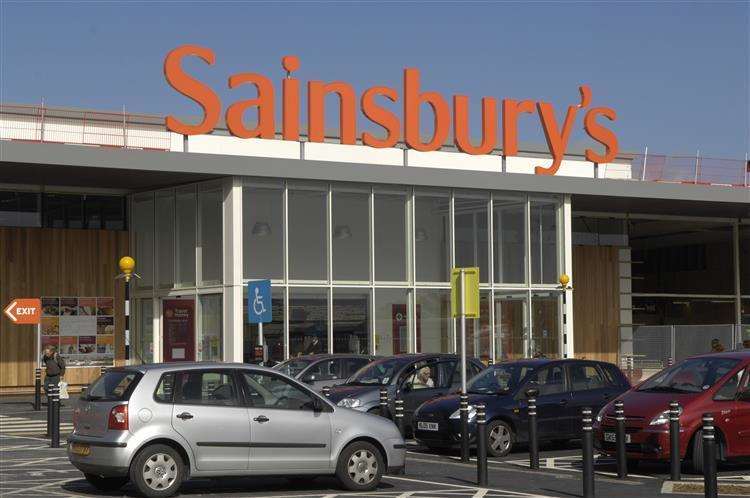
114, 385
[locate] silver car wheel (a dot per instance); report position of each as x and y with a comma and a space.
362, 467
159, 471
500, 438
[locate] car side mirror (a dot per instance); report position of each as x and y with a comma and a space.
744, 395
317, 405
308, 378
532, 391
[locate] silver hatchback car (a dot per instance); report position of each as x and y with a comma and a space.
157, 425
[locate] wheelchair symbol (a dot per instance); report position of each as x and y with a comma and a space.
258, 307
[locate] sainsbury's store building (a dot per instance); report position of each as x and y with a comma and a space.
358, 242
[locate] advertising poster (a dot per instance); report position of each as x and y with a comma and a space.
80, 328
179, 331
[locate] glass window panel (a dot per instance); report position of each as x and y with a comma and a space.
351, 321
470, 227
509, 222
20, 209
186, 206
104, 212
682, 257
210, 230
143, 238
390, 237
431, 238
263, 232
145, 342
351, 236
478, 333
209, 333
62, 211
433, 321
545, 333
308, 321
544, 243
745, 327
511, 325
273, 332
391, 321
682, 311
165, 238
307, 235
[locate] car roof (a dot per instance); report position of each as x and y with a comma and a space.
548, 361
737, 354
187, 365
327, 356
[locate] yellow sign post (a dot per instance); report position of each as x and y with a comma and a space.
465, 281
464, 303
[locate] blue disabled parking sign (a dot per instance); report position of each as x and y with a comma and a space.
259, 301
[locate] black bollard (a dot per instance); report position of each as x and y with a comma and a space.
710, 487
48, 393
481, 446
38, 389
588, 454
674, 440
383, 401
327, 391
622, 459
54, 401
531, 395
464, 412
102, 370
400, 416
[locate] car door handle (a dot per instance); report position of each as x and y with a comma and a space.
185, 416
261, 419
562, 402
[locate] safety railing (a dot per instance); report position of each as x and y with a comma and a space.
124, 130
140, 131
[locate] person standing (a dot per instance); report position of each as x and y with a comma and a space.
54, 368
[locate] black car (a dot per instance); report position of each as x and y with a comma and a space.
565, 388
320, 370
415, 378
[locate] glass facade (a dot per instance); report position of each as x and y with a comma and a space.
356, 268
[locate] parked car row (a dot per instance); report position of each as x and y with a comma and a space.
157, 425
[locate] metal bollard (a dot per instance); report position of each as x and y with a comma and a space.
464, 412
400, 417
38, 389
531, 395
48, 393
622, 459
674, 440
710, 487
588, 454
102, 370
481, 445
383, 401
54, 401
327, 391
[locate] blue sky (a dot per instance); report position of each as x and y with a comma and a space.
676, 73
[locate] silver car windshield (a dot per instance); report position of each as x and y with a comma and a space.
690, 376
292, 367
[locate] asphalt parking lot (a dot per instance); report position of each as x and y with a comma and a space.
29, 468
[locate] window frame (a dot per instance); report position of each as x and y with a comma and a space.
584, 364
240, 373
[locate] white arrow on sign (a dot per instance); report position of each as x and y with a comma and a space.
9, 310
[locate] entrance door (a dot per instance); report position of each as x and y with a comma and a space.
511, 325
178, 325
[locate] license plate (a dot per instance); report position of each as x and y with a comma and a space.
80, 449
611, 437
427, 426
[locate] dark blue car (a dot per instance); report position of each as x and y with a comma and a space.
565, 387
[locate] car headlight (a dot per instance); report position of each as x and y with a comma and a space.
600, 415
350, 403
472, 413
663, 417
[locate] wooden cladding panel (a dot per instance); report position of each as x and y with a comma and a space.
596, 302
36, 262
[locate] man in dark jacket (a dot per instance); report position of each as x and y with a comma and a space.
54, 367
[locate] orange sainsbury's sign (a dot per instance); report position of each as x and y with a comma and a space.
395, 128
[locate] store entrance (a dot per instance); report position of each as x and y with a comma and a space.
178, 325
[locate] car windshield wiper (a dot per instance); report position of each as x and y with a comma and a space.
664, 389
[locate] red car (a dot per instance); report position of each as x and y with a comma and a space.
717, 383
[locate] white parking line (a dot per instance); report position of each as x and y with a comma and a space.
460, 486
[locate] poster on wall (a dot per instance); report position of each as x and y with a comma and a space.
179, 329
81, 329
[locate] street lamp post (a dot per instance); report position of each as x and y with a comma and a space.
564, 281
127, 265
